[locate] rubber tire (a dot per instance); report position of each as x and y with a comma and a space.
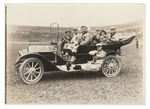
22, 66
119, 63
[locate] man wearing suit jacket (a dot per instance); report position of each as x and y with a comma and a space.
86, 37
66, 39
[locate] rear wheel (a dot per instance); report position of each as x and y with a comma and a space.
31, 70
111, 66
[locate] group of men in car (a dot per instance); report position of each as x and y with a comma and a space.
85, 38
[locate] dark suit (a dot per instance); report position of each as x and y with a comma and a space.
65, 39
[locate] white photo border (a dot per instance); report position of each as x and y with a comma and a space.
2, 56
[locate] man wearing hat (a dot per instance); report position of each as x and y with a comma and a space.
74, 43
65, 41
98, 54
76, 37
115, 37
67, 37
96, 37
113, 34
86, 38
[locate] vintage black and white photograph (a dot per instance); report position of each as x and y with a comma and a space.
75, 53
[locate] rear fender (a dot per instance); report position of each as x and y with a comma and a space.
112, 53
48, 66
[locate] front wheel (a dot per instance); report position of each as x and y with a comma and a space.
111, 66
31, 70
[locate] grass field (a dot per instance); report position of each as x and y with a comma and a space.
78, 87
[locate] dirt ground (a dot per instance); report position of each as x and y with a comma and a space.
78, 87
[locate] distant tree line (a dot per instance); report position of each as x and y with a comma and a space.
42, 34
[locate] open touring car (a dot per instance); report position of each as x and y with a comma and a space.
39, 58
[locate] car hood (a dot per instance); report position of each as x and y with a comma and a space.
23, 52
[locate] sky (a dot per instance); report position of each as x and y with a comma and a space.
74, 15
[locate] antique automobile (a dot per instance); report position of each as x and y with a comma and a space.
39, 58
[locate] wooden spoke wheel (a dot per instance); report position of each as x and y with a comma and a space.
31, 70
111, 66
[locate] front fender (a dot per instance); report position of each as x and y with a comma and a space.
48, 66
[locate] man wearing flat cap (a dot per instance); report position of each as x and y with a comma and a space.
96, 37
74, 44
114, 36
99, 53
66, 39
86, 37
76, 37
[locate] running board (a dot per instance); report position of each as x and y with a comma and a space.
85, 67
